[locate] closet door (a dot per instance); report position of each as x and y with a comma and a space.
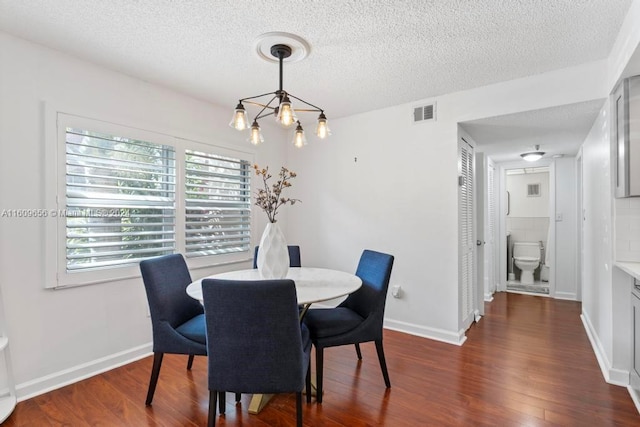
491, 250
466, 234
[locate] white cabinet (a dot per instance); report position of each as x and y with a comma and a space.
7, 386
626, 137
634, 372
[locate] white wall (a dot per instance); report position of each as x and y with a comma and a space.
528, 219
523, 205
528, 229
597, 291
400, 196
605, 302
58, 336
627, 224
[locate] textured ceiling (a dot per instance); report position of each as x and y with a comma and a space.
557, 130
365, 54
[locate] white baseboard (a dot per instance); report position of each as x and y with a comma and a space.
571, 296
613, 376
488, 297
60, 379
456, 338
420, 331
635, 397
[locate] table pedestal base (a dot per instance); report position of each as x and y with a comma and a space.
258, 401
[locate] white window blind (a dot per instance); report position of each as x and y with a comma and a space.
217, 204
120, 200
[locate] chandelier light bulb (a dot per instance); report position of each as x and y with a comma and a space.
286, 115
323, 128
299, 140
239, 120
256, 136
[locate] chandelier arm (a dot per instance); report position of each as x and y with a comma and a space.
258, 96
308, 103
258, 104
307, 110
259, 116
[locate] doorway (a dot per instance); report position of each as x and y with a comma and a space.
528, 229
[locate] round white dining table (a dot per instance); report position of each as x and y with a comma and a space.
312, 284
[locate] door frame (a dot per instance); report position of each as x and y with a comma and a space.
501, 247
580, 222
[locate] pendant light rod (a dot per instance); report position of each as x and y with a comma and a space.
281, 51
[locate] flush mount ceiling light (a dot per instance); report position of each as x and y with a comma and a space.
532, 156
282, 46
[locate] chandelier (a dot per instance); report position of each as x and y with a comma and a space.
280, 107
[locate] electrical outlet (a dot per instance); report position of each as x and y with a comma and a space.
396, 291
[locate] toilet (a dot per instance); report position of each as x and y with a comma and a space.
527, 258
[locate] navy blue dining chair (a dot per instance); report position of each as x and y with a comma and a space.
358, 318
294, 256
177, 320
255, 325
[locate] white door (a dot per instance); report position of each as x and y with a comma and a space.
465, 230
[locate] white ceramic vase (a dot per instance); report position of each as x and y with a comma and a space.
273, 254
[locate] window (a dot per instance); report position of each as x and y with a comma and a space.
218, 198
124, 195
120, 200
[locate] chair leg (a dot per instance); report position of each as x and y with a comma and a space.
238, 397
383, 363
190, 362
299, 409
358, 351
155, 372
213, 396
307, 382
222, 402
319, 366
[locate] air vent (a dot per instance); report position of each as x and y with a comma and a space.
533, 190
424, 113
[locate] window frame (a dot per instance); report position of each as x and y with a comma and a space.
56, 123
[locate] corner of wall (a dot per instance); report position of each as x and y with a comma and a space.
613, 376
449, 337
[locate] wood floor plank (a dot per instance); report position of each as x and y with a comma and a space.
527, 362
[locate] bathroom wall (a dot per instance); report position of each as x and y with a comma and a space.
528, 229
528, 218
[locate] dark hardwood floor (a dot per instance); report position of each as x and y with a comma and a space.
528, 362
